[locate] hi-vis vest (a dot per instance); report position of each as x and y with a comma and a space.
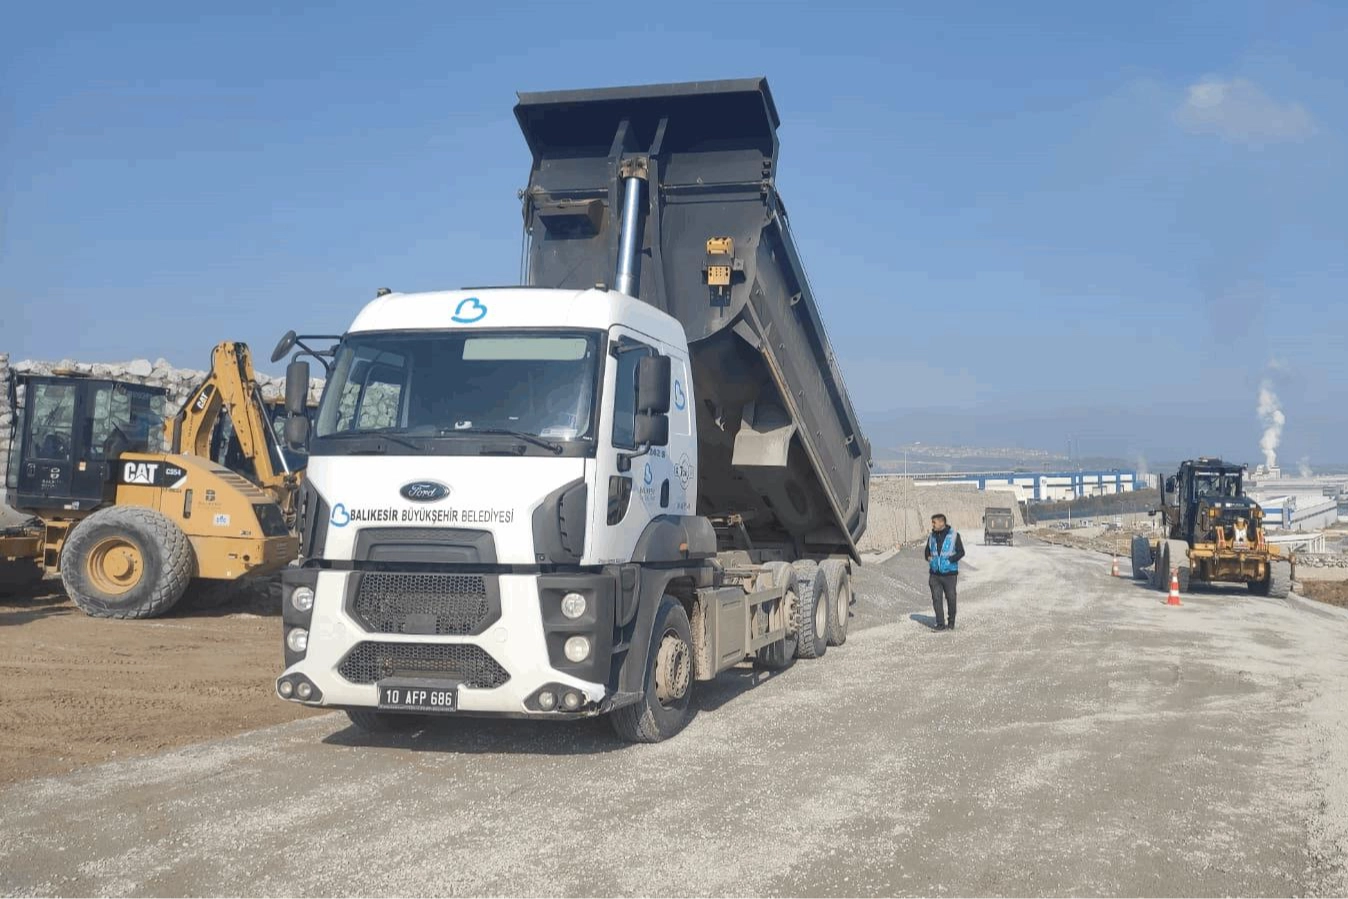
941, 559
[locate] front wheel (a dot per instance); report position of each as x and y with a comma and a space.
666, 706
126, 562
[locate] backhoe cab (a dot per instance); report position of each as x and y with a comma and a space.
127, 525
1213, 532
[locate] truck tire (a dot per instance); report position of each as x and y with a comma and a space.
1160, 575
780, 655
373, 722
812, 610
1141, 557
838, 581
666, 704
126, 562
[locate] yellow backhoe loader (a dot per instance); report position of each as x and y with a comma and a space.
128, 524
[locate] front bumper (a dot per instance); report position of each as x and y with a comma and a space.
509, 658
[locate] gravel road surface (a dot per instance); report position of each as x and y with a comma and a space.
1074, 736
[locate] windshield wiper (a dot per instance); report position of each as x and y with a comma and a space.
373, 435
555, 448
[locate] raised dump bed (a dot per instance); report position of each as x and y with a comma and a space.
779, 442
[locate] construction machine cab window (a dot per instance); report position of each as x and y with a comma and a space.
1216, 485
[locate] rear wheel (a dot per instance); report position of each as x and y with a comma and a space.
812, 611
666, 706
1277, 583
838, 582
126, 562
373, 722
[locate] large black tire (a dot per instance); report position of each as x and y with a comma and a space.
373, 722
811, 610
782, 654
1160, 575
666, 704
1277, 584
153, 585
1141, 557
838, 582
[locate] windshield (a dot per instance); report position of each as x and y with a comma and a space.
447, 385
1215, 485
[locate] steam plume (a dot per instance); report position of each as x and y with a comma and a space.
1270, 413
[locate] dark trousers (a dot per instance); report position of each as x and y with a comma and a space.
943, 585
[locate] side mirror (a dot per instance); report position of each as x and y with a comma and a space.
297, 432
297, 388
653, 384
284, 346
1170, 485
652, 429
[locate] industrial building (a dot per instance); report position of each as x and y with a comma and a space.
1042, 486
1297, 511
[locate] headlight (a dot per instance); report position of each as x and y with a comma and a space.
577, 648
547, 700
297, 640
302, 599
573, 605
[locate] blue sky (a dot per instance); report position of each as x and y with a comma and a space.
1106, 221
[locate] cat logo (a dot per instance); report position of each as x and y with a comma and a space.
152, 474
139, 472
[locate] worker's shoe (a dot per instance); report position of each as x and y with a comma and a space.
951, 626
940, 626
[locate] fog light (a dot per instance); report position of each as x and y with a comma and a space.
302, 599
577, 648
573, 605
297, 640
571, 701
286, 689
304, 690
547, 700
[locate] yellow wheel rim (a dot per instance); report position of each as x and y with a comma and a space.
115, 565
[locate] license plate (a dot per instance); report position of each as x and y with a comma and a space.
420, 698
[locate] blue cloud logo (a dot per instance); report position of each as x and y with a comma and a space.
340, 517
680, 398
469, 310
648, 475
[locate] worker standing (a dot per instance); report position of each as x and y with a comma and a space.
944, 551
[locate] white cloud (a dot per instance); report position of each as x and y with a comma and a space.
1238, 110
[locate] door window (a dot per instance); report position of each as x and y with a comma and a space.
52, 428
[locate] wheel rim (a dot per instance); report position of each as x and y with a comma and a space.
115, 565
844, 603
673, 669
821, 616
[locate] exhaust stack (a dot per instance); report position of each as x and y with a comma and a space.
633, 172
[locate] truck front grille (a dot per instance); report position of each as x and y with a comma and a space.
442, 604
372, 661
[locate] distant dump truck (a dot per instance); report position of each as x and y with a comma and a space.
1212, 532
568, 498
999, 525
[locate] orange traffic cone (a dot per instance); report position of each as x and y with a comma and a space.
1114, 569
1173, 598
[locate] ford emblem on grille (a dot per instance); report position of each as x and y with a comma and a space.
424, 491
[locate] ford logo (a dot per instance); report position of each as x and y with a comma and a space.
424, 491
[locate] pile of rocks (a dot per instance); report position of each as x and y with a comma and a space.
900, 510
179, 382
1321, 560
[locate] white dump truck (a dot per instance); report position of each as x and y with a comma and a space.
583, 495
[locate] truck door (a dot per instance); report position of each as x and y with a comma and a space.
633, 490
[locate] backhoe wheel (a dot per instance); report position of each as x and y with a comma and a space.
126, 562
1141, 557
1160, 576
780, 655
812, 610
838, 581
666, 704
